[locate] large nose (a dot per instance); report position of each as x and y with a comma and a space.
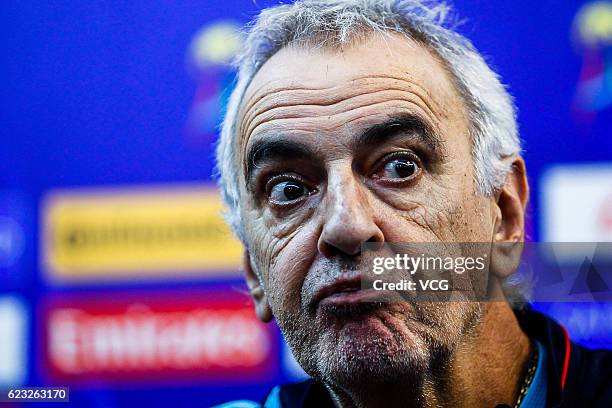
349, 219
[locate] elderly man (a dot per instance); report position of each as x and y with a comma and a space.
368, 121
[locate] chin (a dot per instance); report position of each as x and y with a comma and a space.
371, 353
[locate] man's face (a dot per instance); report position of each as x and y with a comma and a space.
341, 147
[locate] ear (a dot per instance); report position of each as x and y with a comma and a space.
262, 307
509, 226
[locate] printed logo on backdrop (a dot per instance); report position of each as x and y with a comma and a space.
209, 56
136, 233
592, 37
577, 203
196, 336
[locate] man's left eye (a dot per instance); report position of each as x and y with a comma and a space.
288, 191
400, 169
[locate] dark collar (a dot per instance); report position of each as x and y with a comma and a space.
558, 347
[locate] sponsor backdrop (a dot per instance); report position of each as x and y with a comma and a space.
118, 277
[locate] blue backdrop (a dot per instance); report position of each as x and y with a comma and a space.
105, 93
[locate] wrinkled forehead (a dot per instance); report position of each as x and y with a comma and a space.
315, 91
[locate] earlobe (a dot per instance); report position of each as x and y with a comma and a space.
262, 307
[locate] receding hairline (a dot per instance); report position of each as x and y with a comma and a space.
335, 47
328, 42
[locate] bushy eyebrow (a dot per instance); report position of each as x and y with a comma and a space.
272, 149
399, 124
276, 148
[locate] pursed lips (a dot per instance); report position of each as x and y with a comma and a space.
344, 291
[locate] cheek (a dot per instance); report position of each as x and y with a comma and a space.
426, 214
441, 208
477, 224
284, 252
288, 271
273, 227
449, 321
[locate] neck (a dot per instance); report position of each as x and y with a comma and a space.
485, 370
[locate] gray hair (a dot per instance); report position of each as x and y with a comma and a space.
491, 110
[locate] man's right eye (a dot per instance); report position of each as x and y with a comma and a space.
288, 191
